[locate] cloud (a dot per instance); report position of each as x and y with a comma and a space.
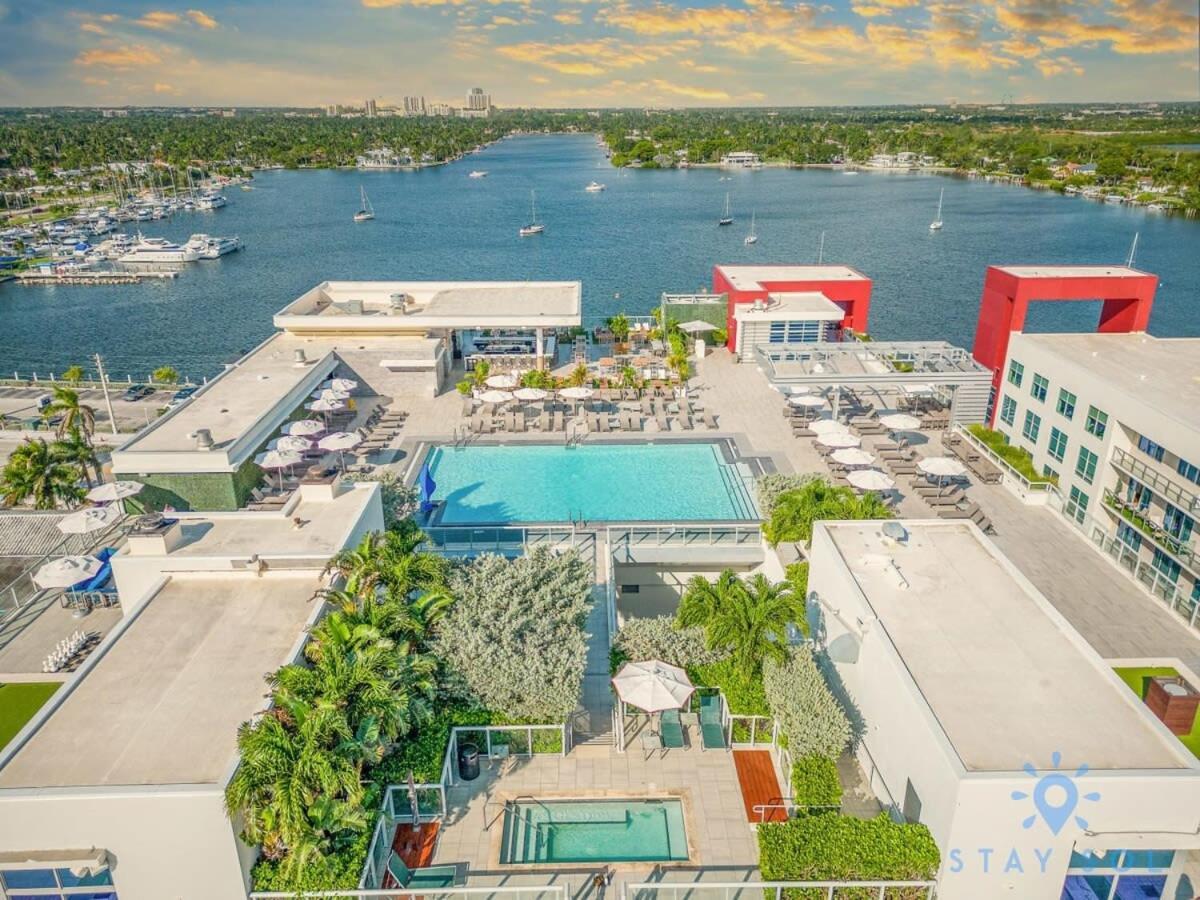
201, 18
94, 81
163, 88
120, 58
1129, 27
159, 19
385, 4
1051, 68
688, 90
504, 20
875, 8
594, 57
93, 28
568, 17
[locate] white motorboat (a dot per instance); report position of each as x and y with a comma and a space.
936, 224
212, 200
158, 250
212, 247
594, 188
366, 212
534, 227
478, 173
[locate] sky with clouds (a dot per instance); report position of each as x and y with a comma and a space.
581, 53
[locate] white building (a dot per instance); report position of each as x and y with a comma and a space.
741, 159
1116, 417
414, 106
384, 158
117, 782
370, 108
964, 676
478, 101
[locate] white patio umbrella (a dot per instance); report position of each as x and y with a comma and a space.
942, 467
495, 396
528, 394
576, 393
696, 326
303, 427
326, 404
277, 459
917, 390
795, 389
88, 520
341, 385
828, 426
330, 394
807, 401
838, 440
900, 422
852, 456
66, 571
114, 490
341, 441
502, 382
870, 480
292, 443
653, 685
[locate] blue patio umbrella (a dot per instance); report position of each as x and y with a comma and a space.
428, 486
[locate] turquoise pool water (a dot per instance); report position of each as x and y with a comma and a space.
570, 831
668, 482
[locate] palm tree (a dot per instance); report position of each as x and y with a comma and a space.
702, 598
39, 472
76, 416
290, 758
76, 449
753, 622
362, 566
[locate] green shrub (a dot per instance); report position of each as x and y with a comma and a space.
659, 638
744, 695
465, 386
769, 487
815, 782
424, 754
841, 848
335, 871
1017, 457
808, 713
797, 579
794, 512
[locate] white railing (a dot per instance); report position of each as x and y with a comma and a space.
691, 534
753, 890
759, 727
1154, 582
468, 539
1032, 487
556, 891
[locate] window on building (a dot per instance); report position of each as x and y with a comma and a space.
1050, 473
1039, 387
1077, 505
1188, 471
1033, 424
39, 882
1008, 410
1016, 373
1097, 422
1177, 523
1066, 404
797, 332
1138, 494
1085, 465
1165, 566
1129, 536
1151, 449
1058, 444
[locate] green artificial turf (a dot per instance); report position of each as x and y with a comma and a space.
19, 703
1134, 677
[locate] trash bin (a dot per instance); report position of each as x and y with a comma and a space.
468, 762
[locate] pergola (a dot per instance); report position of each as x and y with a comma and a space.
883, 367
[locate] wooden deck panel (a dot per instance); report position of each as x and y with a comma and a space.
416, 845
756, 775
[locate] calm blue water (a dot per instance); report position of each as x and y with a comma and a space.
649, 232
562, 831
597, 482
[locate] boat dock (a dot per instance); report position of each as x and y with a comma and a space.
91, 277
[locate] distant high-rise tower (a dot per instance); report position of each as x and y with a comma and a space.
414, 106
478, 100
331, 109
370, 109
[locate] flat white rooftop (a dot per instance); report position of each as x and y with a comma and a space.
1162, 371
1005, 676
410, 305
162, 706
1072, 271
754, 278
792, 306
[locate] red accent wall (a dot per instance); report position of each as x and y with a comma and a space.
1127, 301
853, 296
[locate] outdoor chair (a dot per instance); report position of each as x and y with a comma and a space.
670, 729
661, 418
712, 735
544, 421
604, 422
558, 421
651, 743
710, 419
430, 877
518, 421
685, 421
958, 512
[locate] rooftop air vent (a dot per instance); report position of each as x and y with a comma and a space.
204, 439
894, 533
354, 307
400, 302
758, 305
299, 357
151, 523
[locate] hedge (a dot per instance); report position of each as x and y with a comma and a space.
1017, 457
745, 696
815, 783
336, 871
841, 848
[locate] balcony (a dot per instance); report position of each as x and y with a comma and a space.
1181, 551
1158, 482
1154, 582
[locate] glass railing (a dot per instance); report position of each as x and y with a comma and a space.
1165, 487
1155, 582
1169, 543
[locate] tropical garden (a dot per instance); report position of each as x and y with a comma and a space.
411, 646
56, 473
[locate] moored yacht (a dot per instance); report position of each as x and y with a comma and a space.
594, 188
212, 200
212, 247
478, 173
158, 250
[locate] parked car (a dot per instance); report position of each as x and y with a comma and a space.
137, 392
181, 396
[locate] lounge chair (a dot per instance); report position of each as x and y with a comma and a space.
946, 499
633, 422
958, 512
430, 877
518, 422
670, 729
651, 743
558, 421
647, 406
685, 421
661, 418
544, 421
486, 425
712, 735
604, 422
710, 418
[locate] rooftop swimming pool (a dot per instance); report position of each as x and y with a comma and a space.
585, 831
668, 481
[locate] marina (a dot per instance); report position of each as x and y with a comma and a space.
110, 277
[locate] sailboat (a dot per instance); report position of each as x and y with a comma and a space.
365, 211
727, 216
752, 237
533, 227
936, 224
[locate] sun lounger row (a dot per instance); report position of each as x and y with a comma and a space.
984, 469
